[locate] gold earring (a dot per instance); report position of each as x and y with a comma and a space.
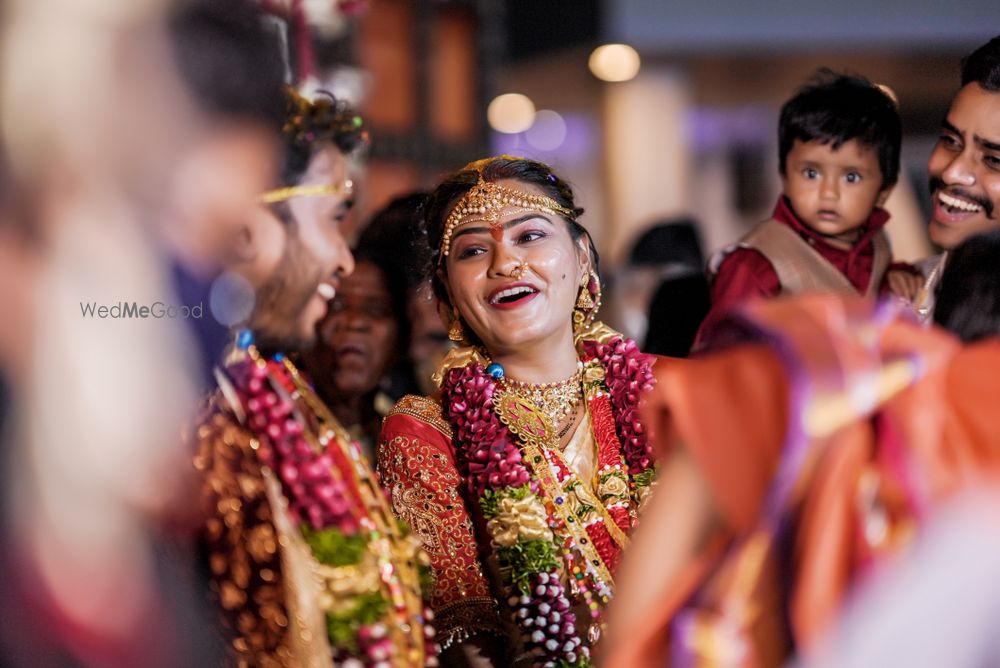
597, 295
456, 332
584, 302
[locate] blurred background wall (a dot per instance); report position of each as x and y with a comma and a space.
689, 130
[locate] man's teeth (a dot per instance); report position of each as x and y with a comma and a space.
326, 291
959, 204
511, 292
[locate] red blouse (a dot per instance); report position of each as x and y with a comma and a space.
416, 464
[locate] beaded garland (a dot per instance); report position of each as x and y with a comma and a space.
345, 521
544, 528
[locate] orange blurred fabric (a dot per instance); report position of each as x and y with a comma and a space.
732, 411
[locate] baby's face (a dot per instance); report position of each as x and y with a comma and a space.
833, 191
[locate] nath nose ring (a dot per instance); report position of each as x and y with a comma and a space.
518, 271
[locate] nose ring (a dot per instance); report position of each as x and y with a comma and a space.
518, 271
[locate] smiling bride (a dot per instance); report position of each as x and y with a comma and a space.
524, 473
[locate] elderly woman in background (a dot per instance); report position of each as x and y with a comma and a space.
358, 342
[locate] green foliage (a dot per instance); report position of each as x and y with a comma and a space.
645, 479
490, 500
343, 626
519, 562
333, 548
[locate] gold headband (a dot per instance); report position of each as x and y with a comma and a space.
282, 194
486, 201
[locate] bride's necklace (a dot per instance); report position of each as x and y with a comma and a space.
556, 401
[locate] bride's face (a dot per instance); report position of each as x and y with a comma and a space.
516, 287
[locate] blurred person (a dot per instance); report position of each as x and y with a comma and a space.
232, 64
309, 566
963, 177
669, 249
401, 235
94, 119
968, 294
429, 342
359, 340
937, 605
676, 311
523, 474
796, 463
665, 277
838, 148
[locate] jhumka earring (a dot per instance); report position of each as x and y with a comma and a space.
456, 332
584, 302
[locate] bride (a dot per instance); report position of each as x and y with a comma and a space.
524, 473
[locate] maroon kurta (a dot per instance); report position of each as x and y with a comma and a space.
745, 273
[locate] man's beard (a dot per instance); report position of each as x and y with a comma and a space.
283, 297
935, 184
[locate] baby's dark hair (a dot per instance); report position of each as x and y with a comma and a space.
982, 66
446, 195
309, 124
836, 108
968, 296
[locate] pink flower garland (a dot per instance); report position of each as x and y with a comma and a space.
493, 461
629, 374
306, 475
307, 481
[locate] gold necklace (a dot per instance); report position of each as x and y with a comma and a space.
556, 400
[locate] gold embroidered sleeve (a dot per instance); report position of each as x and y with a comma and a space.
417, 468
243, 549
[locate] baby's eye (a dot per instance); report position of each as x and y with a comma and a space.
853, 177
810, 173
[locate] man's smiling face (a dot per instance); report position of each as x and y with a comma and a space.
964, 168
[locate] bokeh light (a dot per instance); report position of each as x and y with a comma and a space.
548, 131
614, 62
511, 113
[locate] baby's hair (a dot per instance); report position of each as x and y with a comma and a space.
836, 108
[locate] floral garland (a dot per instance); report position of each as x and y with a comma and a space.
629, 375
335, 527
532, 515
